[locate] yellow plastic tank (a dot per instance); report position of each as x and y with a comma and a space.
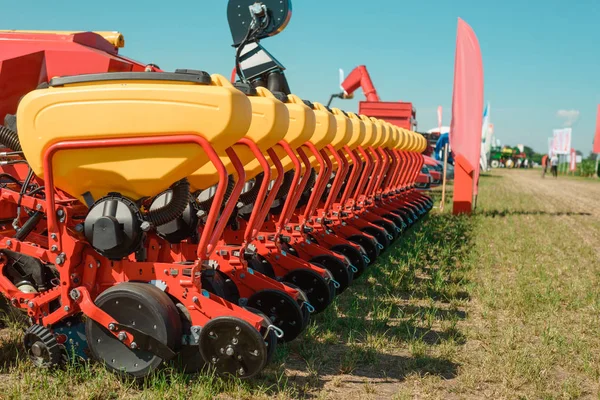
413, 141
394, 138
344, 133
370, 132
379, 132
129, 105
404, 139
344, 129
270, 122
423, 144
302, 123
325, 130
358, 131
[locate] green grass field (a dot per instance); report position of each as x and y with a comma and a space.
500, 305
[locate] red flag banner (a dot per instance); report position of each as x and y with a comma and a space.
467, 115
597, 137
439, 115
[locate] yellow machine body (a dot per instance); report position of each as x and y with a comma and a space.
270, 122
423, 144
358, 131
124, 108
403, 145
370, 132
325, 130
345, 129
344, 133
302, 123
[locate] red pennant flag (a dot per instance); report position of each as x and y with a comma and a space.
467, 115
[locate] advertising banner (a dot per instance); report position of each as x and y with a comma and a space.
562, 141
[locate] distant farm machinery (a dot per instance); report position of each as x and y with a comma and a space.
151, 216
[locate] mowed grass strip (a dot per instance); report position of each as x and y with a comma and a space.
533, 326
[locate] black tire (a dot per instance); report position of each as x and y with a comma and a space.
353, 255
370, 246
260, 264
151, 310
314, 285
341, 273
282, 310
380, 235
219, 284
390, 227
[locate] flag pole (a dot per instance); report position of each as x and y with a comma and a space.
444, 181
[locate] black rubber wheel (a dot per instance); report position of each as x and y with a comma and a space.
260, 264
397, 220
340, 271
408, 215
330, 282
42, 348
282, 310
233, 347
380, 235
149, 310
314, 285
390, 228
271, 338
353, 255
219, 284
303, 307
370, 246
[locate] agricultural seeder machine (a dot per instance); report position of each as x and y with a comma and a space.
150, 216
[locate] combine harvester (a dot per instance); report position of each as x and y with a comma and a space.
152, 216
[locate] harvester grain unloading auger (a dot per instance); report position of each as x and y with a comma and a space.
298, 200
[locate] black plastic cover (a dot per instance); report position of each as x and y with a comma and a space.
181, 228
199, 77
281, 96
309, 104
246, 88
112, 227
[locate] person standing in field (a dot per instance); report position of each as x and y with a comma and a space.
544, 165
554, 163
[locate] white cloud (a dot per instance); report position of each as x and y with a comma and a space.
569, 116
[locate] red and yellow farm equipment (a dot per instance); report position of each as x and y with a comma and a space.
151, 216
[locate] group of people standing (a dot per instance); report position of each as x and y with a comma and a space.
551, 162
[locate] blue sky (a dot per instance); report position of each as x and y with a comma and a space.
540, 56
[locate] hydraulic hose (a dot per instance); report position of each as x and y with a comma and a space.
283, 191
10, 139
250, 196
206, 204
312, 178
179, 201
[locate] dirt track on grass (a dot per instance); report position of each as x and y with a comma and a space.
563, 197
